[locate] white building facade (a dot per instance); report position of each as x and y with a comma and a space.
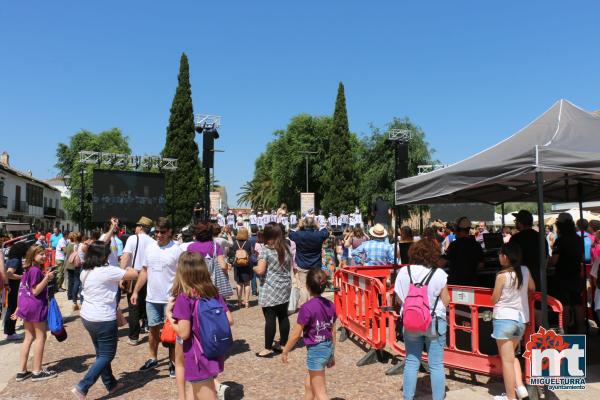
24, 198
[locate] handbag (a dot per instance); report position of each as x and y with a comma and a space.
294, 294
217, 275
167, 334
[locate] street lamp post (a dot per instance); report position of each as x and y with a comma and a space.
207, 125
81, 200
306, 155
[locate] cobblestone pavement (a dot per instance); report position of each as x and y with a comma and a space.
249, 376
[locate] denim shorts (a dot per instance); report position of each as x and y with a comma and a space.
155, 313
505, 329
319, 355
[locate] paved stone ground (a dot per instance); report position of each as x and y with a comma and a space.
249, 376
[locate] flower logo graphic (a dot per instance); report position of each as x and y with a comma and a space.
542, 340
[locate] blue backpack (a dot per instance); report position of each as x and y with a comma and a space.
215, 333
55, 319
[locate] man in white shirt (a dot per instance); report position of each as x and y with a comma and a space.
134, 255
358, 217
61, 248
159, 269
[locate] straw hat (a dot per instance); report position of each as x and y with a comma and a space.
378, 231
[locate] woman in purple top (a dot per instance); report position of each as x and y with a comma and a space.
32, 308
316, 325
192, 282
204, 244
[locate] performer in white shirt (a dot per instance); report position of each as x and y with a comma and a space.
293, 220
322, 220
220, 219
253, 219
358, 217
260, 219
332, 220
343, 220
230, 219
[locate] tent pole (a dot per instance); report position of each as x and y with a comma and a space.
539, 180
502, 211
420, 220
582, 232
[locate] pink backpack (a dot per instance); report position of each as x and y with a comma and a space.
416, 314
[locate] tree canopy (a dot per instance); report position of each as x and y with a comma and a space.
67, 155
184, 184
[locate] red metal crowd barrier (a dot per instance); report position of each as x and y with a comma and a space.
467, 347
358, 308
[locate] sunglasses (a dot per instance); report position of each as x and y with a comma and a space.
163, 232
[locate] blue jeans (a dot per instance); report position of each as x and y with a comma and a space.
253, 284
74, 286
105, 337
435, 355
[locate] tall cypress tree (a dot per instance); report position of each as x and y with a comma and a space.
182, 186
339, 185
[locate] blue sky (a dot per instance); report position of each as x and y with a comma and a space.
468, 72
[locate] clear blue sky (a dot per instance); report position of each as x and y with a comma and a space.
468, 72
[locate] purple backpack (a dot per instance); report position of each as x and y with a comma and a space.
416, 314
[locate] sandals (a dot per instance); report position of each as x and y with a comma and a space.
272, 354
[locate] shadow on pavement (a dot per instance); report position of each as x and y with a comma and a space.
75, 364
239, 346
135, 380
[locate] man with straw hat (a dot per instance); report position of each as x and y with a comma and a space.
376, 251
134, 255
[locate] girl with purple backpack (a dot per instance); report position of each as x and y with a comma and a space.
32, 308
192, 285
421, 288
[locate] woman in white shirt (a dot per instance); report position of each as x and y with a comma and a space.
511, 313
424, 256
100, 282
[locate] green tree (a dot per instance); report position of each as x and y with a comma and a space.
376, 165
183, 188
280, 171
67, 155
339, 181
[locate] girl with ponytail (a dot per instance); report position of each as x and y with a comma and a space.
511, 313
316, 325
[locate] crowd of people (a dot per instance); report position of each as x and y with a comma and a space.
166, 278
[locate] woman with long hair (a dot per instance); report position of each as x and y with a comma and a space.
273, 268
100, 281
511, 313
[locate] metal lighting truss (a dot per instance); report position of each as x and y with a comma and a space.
125, 160
400, 135
207, 122
424, 169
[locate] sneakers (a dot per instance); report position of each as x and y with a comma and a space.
78, 395
171, 370
14, 337
222, 392
43, 375
151, 363
522, 392
133, 342
22, 376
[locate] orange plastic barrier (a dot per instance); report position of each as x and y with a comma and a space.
357, 306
